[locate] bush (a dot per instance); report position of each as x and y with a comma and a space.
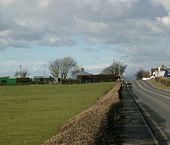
157, 79
142, 74
168, 83
163, 81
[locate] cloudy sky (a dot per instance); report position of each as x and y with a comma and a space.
94, 32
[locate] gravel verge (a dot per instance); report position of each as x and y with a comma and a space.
83, 128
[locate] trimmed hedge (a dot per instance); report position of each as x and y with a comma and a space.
97, 78
23, 81
70, 81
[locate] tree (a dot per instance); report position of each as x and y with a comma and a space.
116, 68
21, 74
55, 68
75, 70
141, 73
61, 67
66, 64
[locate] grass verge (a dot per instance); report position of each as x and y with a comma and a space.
29, 115
159, 85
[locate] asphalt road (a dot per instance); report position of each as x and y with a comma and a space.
125, 124
156, 102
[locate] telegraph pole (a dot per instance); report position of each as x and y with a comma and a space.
20, 69
20, 66
44, 72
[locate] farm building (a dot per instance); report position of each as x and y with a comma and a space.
43, 79
97, 78
23, 81
81, 73
85, 77
7, 81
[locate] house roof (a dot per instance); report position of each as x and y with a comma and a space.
82, 73
161, 69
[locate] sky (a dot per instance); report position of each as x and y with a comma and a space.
33, 33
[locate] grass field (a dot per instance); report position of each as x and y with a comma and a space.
29, 115
159, 85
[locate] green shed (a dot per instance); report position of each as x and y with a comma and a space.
7, 81
11, 81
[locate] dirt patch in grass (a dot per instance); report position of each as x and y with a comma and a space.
82, 129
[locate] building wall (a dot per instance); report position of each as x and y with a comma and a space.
159, 73
7, 81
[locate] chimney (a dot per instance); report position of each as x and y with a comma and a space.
159, 68
82, 69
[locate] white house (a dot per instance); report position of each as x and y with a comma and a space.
160, 71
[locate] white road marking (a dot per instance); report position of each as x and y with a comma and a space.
168, 98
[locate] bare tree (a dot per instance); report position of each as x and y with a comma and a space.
55, 68
66, 64
61, 67
141, 73
75, 70
21, 74
116, 68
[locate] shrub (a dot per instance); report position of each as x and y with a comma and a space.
163, 81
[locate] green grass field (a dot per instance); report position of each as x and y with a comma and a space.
29, 115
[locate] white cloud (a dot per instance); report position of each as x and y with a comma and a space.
43, 3
135, 26
4, 33
53, 23
165, 20
24, 22
9, 67
98, 66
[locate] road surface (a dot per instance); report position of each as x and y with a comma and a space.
156, 102
125, 124
142, 117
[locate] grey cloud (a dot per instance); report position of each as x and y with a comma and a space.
99, 21
107, 11
146, 9
135, 26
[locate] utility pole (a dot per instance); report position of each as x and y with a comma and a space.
44, 72
44, 69
20, 66
20, 69
119, 69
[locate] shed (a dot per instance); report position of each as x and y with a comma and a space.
7, 81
